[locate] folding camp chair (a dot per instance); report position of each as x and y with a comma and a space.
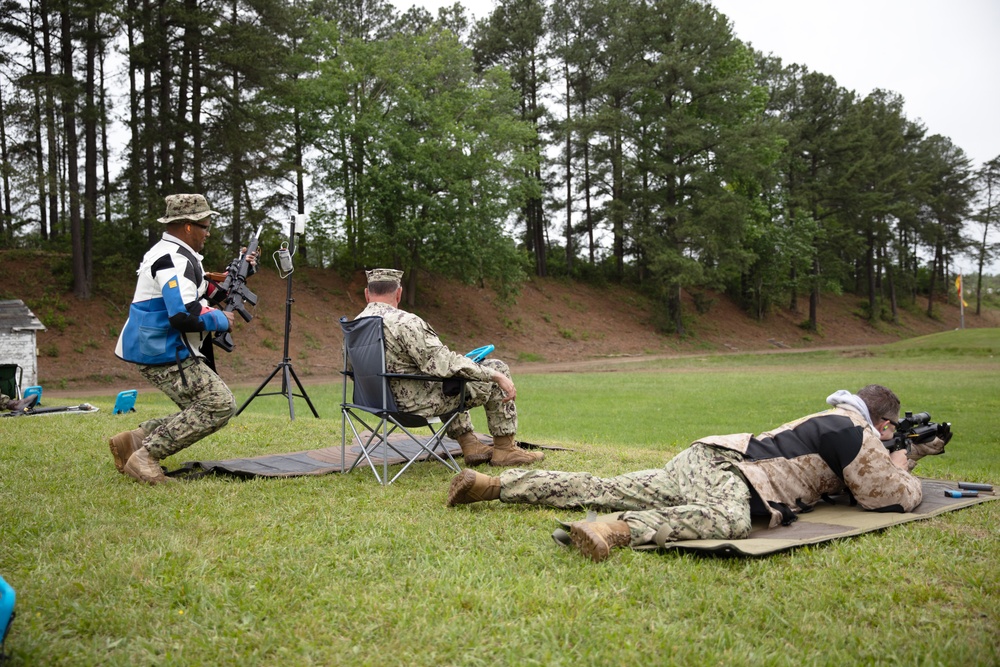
364, 363
11, 376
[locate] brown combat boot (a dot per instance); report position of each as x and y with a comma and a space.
596, 539
124, 445
474, 452
144, 468
506, 453
470, 486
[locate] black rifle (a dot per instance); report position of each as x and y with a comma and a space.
916, 429
235, 288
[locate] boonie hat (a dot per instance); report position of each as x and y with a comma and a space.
186, 207
384, 275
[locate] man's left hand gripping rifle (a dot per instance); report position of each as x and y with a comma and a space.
233, 291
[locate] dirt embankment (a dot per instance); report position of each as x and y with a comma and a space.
554, 325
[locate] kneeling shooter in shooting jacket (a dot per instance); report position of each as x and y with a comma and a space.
169, 328
710, 489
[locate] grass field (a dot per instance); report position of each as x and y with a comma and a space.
337, 570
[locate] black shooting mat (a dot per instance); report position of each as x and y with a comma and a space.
81, 409
825, 522
324, 461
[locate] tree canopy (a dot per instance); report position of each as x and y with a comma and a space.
628, 140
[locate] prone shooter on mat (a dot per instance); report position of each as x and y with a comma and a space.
169, 336
711, 489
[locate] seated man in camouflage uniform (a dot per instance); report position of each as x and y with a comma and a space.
710, 489
413, 347
8, 404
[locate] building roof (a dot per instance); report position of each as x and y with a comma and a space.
16, 317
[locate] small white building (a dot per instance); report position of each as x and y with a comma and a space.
18, 331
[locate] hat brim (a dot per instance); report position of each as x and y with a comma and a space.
188, 216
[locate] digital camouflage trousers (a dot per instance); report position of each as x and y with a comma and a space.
697, 495
501, 418
204, 399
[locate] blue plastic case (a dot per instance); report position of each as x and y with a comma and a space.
7, 598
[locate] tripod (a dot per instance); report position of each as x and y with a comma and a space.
285, 366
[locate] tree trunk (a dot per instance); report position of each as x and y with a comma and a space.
167, 117
105, 168
133, 207
50, 121
178, 128
569, 176
6, 220
148, 121
935, 267
39, 151
870, 274
617, 193
90, 147
197, 135
814, 297
81, 284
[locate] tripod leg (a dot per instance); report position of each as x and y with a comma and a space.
286, 387
302, 389
257, 391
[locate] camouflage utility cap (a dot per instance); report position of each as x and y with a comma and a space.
186, 207
384, 275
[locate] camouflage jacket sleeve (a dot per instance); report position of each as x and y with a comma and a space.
422, 345
876, 483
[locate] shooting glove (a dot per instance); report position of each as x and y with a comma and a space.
915, 452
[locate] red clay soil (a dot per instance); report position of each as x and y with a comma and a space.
552, 325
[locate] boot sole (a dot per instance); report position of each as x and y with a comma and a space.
477, 459
516, 462
146, 480
116, 450
461, 485
152, 481
589, 542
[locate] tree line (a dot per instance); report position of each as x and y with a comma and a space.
630, 140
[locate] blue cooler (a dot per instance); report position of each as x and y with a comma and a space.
7, 598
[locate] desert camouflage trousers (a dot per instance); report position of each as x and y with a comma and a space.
204, 399
501, 418
698, 495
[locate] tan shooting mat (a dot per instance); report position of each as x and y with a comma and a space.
825, 522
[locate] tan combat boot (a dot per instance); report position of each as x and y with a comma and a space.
144, 468
470, 486
124, 445
596, 539
506, 453
474, 452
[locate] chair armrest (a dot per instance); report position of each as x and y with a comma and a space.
452, 391
425, 378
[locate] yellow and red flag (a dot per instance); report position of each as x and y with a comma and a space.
958, 288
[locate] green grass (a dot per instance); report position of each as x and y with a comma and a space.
338, 570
